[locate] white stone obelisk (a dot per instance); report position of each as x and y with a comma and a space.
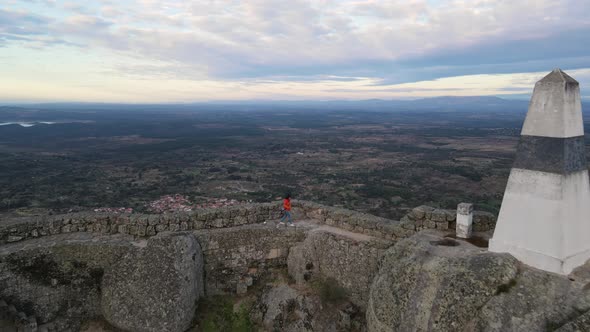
544, 220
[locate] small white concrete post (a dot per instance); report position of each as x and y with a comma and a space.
464, 220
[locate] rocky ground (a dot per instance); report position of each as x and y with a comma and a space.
338, 271
432, 283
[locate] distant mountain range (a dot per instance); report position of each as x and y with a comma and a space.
443, 104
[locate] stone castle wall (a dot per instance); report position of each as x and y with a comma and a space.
236, 257
426, 217
357, 222
139, 225
146, 225
419, 218
350, 261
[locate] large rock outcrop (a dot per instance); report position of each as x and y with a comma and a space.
293, 309
431, 283
155, 288
533, 301
57, 278
283, 309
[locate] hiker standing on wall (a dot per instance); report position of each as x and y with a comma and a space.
287, 211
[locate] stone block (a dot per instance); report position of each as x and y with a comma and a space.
438, 215
240, 220
153, 220
408, 225
141, 230
122, 229
142, 221
442, 225
244, 211
53, 229
218, 223
274, 253
389, 229
348, 227
198, 224
241, 288
401, 232
420, 212
14, 238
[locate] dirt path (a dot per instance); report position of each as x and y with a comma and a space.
315, 227
343, 232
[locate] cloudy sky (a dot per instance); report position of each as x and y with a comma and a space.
182, 51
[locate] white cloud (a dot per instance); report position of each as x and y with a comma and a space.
225, 41
98, 79
302, 31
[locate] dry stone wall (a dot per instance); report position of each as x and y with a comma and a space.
354, 221
427, 217
236, 257
146, 225
140, 225
420, 218
352, 263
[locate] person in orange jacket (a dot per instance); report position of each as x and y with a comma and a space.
287, 211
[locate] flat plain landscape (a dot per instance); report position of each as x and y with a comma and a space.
381, 161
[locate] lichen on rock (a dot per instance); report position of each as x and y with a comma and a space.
155, 288
432, 283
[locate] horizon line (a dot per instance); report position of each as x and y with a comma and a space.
232, 101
